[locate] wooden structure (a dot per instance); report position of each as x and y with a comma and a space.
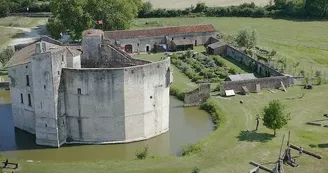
286, 158
7, 163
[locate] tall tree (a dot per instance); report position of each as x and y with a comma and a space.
246, 38
75, 16
274, 117
317, 8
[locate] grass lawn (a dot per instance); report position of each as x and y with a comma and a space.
188, 3
231, 147
298, 41
6, 34
18, 21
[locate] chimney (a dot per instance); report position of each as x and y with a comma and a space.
38, 48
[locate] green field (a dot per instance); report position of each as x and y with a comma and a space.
28, 22
188, 3
298, 41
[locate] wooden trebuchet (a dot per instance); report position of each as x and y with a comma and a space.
305, 152
261, 167
314, 124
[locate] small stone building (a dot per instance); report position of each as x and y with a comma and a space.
217, 48
240, 77
181, 44
144, 40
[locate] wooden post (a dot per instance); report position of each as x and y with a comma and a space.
261, 167
305, 152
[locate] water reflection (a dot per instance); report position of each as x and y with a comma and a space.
187, 125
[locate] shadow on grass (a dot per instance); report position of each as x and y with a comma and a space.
252, 136
323, 145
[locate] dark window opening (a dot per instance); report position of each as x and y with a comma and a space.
184, 37
27, 80
128, 48
41, 105
79, 91
46, 125
26, 67
195, 42
22, 99
172, 38
138, 44
151, 97
147, 48
58, 73
29, 100
44, 86
62, 58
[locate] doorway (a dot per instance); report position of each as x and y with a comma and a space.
147, 48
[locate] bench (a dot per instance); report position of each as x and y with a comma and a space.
6, 164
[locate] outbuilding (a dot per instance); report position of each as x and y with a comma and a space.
181, 44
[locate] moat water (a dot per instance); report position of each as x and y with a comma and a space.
187, 126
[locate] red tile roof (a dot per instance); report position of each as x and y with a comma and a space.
127, 34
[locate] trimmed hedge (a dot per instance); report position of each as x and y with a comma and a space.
214, 110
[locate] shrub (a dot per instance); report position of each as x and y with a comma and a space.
232, 71
174, 57
214, 110
190, 149
217, 88
142, 154
195, 170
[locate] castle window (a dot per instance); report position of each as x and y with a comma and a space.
79, 91
44, 86
62, 58
29, 100
26, 67
138, 44
151, 97
172, 38
22, 99
27, 80
58, 73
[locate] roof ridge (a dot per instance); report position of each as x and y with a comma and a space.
142, 29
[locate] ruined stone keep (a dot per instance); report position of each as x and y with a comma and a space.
89, 94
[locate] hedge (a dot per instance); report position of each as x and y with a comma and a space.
214, 110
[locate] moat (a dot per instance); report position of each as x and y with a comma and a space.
187, 125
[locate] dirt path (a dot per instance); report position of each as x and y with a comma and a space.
30, 35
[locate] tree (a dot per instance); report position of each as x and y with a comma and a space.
246, 38
5, 56
316, 8
145, 9
75, 16
274, 117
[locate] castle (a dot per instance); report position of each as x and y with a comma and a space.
94, 93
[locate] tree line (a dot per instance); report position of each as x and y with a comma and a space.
20, 6
277, 8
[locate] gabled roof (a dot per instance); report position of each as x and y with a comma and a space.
23, 56
70, 52
240, 77
216, 45
128, 34
181, 41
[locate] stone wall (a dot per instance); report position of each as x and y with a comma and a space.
269, 82
23, 114
246, 60
117, 105
140, 44
197, 96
